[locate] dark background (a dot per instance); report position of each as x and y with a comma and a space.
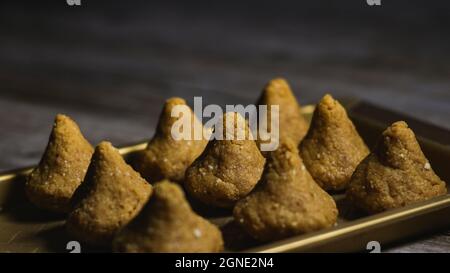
111, 64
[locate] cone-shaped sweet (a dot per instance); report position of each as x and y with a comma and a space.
166, 157
168, 224
292, 124
62, 167
109, 197
287, 201
332, 148
228, 169
395, 174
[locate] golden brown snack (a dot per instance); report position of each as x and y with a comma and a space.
395, 174
164, 156
109, 197
287, 201
228, 169
62, 167
168, 224
332, 148
292, 124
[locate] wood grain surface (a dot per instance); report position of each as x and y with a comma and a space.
111, 64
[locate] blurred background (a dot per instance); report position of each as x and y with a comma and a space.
111, 64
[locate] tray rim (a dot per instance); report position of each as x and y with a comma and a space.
357, 225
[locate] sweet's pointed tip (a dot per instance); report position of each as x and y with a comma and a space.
175, 101
277, 86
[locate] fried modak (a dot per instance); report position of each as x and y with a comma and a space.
228, 169
287, 201
166, 157
332, 148
168, 224
111, 194
395, 174
62, 167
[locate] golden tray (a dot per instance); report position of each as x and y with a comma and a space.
24, 228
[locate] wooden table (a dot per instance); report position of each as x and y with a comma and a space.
110, 65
